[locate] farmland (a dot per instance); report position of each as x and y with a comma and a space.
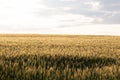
59, 57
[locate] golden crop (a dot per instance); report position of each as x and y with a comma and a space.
59, 57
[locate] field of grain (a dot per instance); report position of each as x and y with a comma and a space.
59, 57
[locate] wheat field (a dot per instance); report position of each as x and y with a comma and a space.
59, 57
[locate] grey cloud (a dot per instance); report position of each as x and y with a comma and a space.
78, 7
112, 20
111, 5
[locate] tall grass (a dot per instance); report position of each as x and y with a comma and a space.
57, 57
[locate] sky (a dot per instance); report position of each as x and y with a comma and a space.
98, 17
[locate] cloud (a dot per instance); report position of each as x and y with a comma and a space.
38, 12
67, 20
95, 5
101, 10
35, 15
68, 0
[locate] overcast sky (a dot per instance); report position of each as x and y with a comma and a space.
60, 16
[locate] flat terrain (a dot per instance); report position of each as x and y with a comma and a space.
59, 57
